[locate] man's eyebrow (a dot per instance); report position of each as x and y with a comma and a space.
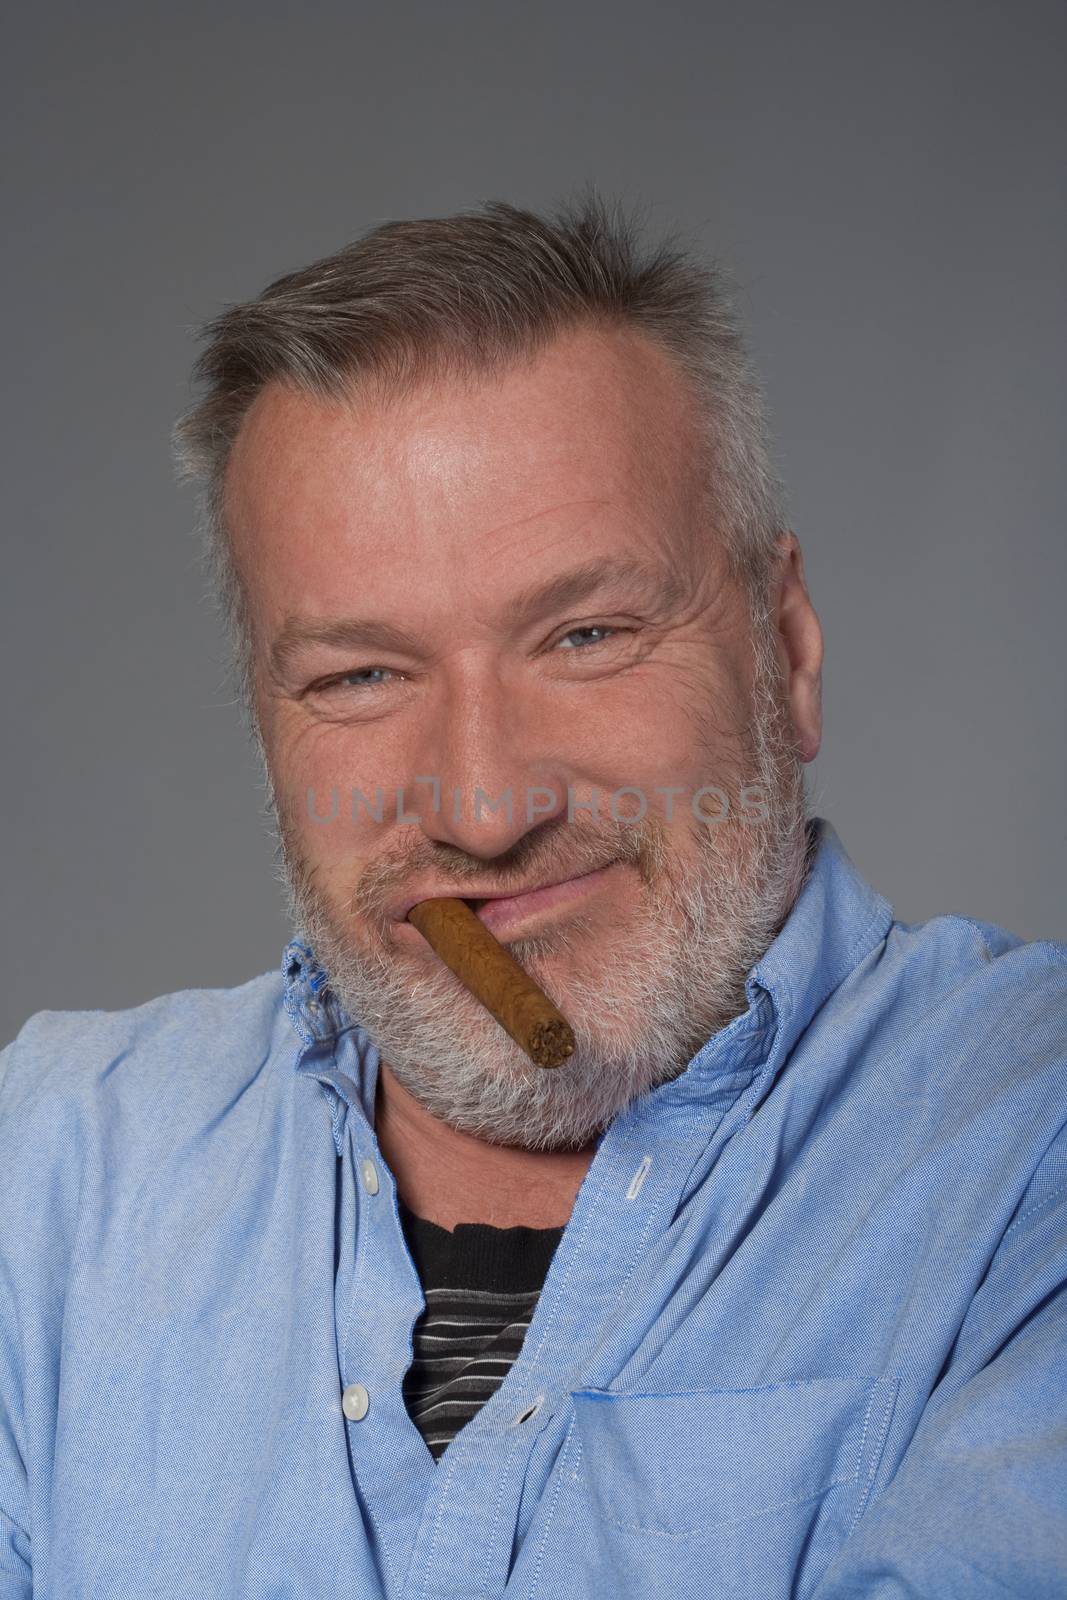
298, 634
665, 586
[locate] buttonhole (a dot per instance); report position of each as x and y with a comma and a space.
638, 1179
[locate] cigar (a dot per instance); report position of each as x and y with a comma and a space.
495, 978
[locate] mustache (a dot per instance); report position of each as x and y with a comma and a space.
554, 855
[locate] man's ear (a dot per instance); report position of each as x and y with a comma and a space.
799, 643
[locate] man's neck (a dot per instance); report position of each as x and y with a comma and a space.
451, 1177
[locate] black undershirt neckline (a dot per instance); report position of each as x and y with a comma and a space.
475, 1255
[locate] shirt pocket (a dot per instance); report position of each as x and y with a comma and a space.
745, 1494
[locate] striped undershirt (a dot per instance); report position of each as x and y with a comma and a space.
481, 1285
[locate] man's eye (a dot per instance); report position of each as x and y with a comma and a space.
357, 678
594, 627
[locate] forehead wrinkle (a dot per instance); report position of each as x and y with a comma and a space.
533, 516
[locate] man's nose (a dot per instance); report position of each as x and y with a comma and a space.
489, 770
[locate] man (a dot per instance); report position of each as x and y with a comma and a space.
319, 1286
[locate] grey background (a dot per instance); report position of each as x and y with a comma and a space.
886, 181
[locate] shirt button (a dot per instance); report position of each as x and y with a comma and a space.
370, 1176
354, 1402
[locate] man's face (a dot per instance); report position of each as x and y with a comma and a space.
415, 645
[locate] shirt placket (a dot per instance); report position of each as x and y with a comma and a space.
493, 1474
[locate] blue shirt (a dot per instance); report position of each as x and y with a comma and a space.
805, 1334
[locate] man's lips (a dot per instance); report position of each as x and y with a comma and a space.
502, 909
495, 908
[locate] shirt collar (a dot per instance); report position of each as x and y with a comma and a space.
836, 920
312, 1008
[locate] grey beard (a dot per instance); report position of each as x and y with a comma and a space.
640, 1009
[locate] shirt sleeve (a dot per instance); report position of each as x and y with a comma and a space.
977, 1509
16, 1577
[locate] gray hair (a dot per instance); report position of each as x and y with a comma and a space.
411, 301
